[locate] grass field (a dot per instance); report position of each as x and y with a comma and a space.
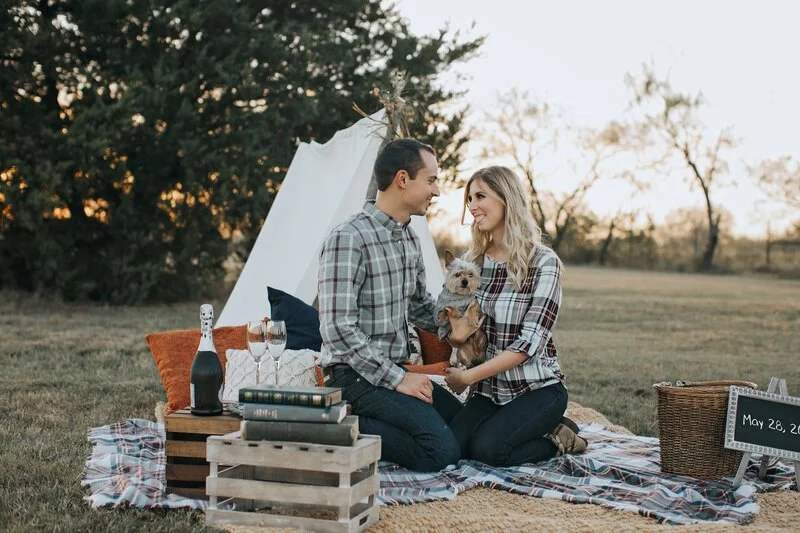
66, 368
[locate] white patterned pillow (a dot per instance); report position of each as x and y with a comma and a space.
415, 348
440, 380
297, 368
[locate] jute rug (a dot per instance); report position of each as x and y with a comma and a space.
488, 510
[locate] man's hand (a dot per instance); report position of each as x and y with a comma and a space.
417, 386
456, 379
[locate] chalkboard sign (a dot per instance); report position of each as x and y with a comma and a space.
763, 422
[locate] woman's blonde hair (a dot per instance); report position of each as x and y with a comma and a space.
522, 235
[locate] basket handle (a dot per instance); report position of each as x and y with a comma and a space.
748, 384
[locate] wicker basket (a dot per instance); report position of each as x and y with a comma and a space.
691, 427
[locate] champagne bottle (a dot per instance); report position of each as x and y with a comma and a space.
206, 377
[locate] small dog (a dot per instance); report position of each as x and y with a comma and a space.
458, 313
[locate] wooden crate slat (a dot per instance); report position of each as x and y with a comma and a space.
316, 491
185, 448
180, 472
359, 523
179, 448
365, 454
198, 493
292, 493
288, 475
308, 477
184, 422
231, 449
364, 489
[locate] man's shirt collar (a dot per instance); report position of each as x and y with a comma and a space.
395, 228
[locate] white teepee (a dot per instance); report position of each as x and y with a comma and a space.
325, 184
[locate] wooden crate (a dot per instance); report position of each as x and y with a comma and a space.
185, 447
312, 487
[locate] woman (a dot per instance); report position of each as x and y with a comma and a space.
515, 412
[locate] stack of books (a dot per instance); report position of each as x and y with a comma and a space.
289, 413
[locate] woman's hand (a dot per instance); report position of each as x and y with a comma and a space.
457, 379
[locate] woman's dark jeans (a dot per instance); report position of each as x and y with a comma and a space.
413, 433
510, 434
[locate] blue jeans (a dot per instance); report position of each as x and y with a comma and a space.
510, 434
413, 433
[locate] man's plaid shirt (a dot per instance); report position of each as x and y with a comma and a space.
521, 321
371, 284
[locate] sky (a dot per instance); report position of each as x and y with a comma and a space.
744, 57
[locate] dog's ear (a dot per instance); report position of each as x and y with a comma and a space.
448, 258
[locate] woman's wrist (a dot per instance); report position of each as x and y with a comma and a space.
469, 376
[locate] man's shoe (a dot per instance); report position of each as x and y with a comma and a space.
565, 437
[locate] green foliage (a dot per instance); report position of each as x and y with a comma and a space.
140, 138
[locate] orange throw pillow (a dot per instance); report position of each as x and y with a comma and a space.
433, 349
433, 368
174, 353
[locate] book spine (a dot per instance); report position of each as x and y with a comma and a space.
343, 434
289, 398
296, 413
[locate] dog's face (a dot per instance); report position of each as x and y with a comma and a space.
462, 276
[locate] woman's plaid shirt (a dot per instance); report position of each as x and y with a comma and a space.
521, 321
371, 284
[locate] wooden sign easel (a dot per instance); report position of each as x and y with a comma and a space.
780, 385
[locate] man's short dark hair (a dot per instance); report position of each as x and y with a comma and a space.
399, 154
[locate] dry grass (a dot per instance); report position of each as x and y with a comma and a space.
622, 331
66, 368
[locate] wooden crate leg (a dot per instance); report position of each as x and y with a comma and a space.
344, 510
247, 472
212, 472
373, 468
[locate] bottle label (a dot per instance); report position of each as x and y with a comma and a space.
206, 329
191, 394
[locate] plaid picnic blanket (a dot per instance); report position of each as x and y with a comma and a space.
126, 468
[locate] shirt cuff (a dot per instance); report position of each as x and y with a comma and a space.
521, 346
393, 378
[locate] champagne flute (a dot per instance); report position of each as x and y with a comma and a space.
257, 343
276, 342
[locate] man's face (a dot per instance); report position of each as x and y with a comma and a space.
421, 190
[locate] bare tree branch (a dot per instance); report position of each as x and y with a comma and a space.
676, 123
779, 179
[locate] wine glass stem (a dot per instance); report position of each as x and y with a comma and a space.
258, 376
277, 369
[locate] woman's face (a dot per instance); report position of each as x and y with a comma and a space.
485, 206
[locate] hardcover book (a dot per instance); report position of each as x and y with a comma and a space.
343, 434
291, 395
296, 413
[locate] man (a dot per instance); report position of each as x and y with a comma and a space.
371, 284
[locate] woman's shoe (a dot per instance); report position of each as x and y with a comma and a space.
565, 437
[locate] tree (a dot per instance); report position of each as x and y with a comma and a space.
671, 118
524, 130
620, 225
779, 179
683, 236
139, 138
